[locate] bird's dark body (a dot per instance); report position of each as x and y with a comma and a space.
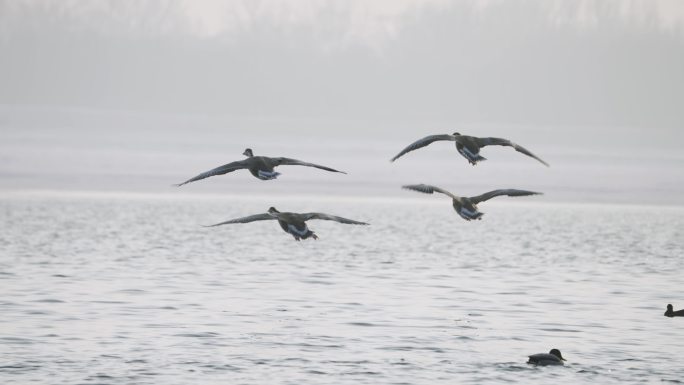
297, 228
553, 357
469, 148
544, 359
670, 312
262, 168
466, 209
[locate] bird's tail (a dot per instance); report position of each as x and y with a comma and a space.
476, 158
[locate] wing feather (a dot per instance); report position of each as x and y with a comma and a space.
328, 217
496, 193
422, 143
226, 168
505, 142
427, 189
295, 162
247, 219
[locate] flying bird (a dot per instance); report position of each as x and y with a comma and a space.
553, 357
260, 166
466, 207
468, 146
292, 223
671, 313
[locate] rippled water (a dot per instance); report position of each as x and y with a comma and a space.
112, 289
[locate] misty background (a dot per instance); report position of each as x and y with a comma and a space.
137, 95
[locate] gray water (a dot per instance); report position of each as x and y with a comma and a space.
130, 289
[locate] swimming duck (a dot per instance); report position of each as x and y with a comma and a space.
468, 146
466, 207
292, 223
553, 357
671, 313
260, 166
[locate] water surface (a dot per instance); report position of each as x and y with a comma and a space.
130, 289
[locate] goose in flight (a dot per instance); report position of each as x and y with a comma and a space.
466, 207
553, 357
671, 313
260, 166
292, 223
468, 146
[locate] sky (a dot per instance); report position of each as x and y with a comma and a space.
598, 77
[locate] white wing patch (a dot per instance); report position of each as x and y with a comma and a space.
467, 153
464, 212
265, 175
294, 230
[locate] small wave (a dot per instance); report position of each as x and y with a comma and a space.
101, 376
18, 368
198, 335
561, 330
110, 302
48, 300
366, 324
16, 340
306, 345
466, 327
316, 282
362, 373
512, 367
221, 367
464, 338
413, 348
130, 291
38, 312
315, 372
347, 362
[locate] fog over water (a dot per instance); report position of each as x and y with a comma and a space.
110, 91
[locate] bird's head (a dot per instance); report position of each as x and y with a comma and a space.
248, 153
272, 210
456, 134
669, 308
557, 353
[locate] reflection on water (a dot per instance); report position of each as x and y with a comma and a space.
116, 290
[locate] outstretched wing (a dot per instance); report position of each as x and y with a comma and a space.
422, 143
495, 193
251, 218
327, 217
427, 189
226, 168
295, 162
505, 142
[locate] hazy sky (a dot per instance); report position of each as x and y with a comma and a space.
537, 62
99, 94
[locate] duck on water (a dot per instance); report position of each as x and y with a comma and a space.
553, 357
671, 313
